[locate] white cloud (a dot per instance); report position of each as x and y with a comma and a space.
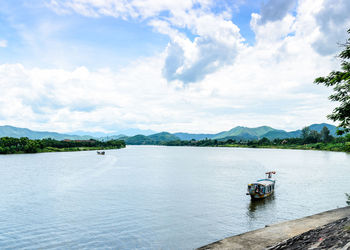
216, 43
3, 43
275, 10
269, 83
138, 96
333, 19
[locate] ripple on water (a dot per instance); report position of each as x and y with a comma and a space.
158, 197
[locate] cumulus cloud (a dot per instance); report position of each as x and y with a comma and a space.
322, 24
138, 96
216, 38
268, 83
217, 44
333, 21
274, 10
3, 43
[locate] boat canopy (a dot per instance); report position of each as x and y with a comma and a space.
264, 182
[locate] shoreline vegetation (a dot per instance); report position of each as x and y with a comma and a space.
309, 140
10, 145
331, 146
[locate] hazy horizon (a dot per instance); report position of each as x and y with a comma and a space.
135, 131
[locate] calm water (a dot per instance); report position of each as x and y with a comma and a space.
150, 197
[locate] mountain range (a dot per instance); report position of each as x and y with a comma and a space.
245, 133
237, 133
11, 131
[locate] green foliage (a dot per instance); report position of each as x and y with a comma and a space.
340, 81
348, 199
311, 141
138, 140
9, 145
325, 135
305, 132
312, 136
154, 139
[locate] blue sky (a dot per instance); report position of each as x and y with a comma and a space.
105, 41
192, 66
35, 33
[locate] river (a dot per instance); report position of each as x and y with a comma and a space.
153, 197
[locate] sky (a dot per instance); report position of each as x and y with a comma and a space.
198, 66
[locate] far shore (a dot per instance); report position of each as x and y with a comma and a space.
337, 147
75, 149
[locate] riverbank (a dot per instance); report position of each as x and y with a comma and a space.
339, 145
335, 147
52, 149
10, 145
335, 235
330, 227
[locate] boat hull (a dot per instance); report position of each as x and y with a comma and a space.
255, 196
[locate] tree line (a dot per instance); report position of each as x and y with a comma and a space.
309, 139
10, 145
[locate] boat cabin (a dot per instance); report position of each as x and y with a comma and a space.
262, 188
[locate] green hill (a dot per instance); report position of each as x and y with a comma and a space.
137, 140
281, 134
245, 132
149, 140
163, 136
319, 127
15, 132
188, 136
237, 133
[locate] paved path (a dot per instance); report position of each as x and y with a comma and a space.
273, 234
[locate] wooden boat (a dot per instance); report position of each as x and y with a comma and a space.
262, 188
101, 153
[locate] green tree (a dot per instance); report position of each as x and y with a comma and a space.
264, 141
305, 132
325, 135
31, 147
340, 81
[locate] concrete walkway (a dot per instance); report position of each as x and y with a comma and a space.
273, 234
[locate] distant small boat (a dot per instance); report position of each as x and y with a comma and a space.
101, 153
262, 188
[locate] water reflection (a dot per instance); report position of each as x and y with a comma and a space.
148, 197
256, 207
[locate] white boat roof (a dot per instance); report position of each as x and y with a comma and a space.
264, 182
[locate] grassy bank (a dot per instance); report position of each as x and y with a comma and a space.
52, 149
9, 145
338, 147
339, 144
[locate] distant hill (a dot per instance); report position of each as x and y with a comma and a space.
151, 139
11, 131
137, 140
197, 137
275, 134
244, 132
281, 134
111, 137
163, 136
319, 127
237, 133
